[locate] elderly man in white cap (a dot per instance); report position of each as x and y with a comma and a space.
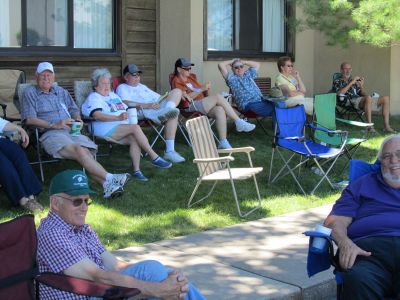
51, 108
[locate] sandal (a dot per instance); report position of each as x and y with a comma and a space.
389, 130
33, 205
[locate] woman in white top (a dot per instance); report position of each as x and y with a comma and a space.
16, 175
111, 122
289, 81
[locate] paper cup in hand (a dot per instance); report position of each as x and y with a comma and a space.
320, 244
76, 128
132, 115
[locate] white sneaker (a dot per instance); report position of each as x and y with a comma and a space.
120, 179
162, 115
242, 125
173, 157
112, 190
224, 145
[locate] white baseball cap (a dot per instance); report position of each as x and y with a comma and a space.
43, 66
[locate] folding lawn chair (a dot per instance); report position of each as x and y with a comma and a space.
9, 83
289, 137
325, 116
318, 261
19, 273
212, 167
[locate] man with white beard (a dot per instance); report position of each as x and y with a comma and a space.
365, 224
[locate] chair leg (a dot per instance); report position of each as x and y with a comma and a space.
190, 204
184, 134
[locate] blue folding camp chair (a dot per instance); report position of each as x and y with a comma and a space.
318, 261
290, 136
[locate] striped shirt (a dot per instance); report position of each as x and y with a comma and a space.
61, 245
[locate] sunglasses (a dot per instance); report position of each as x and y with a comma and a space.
78, 201
238, 67
135, 74
186, 69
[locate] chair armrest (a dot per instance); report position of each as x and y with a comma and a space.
214, 159
329, 131
355, 123
85, 287
237, 150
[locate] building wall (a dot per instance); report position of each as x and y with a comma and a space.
181, 34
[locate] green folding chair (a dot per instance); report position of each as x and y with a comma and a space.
325, 116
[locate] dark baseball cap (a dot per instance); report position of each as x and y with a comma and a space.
131, 68
70, 182
183, 62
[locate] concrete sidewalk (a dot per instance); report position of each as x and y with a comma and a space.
262, 259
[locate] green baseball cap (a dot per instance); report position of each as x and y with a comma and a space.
70, 182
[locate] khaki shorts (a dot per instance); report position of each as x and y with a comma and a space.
54, 140
375, 107
196, 105
301, 100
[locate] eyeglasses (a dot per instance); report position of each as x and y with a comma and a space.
186, 69
289, 66
238, 67
78, 201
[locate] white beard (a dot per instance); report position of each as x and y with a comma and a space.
392, 180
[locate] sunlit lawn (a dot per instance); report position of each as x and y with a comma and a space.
156, 210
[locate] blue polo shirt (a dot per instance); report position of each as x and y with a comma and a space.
373, 205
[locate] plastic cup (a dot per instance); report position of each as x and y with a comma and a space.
319, 244
132, 115
76, 128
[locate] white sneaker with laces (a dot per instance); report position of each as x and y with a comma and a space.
112, 190
120, 179
173, 157
242, 125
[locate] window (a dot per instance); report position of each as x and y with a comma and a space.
57, 25
248, 28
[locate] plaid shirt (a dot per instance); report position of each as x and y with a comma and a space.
52, 107
244, 88
353, 92
61, 245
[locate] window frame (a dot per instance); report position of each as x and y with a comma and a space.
68, 50
290, 12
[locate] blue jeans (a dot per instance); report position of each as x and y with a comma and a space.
154, 271
261, 108
16, 175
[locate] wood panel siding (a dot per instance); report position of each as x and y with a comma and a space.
137, 43
141, 38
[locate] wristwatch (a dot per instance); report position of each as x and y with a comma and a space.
51, 125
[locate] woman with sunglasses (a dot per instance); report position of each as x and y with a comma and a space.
196, 98
289, 81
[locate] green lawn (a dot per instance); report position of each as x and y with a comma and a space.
156, 210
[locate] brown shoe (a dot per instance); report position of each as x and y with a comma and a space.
33, 206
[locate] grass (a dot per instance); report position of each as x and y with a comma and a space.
156, 210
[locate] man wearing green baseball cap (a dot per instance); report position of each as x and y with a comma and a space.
67, 245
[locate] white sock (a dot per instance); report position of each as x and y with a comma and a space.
169, 145
170, 104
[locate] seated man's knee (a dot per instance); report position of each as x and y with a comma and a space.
147, 270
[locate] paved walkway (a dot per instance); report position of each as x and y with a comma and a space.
262, 259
